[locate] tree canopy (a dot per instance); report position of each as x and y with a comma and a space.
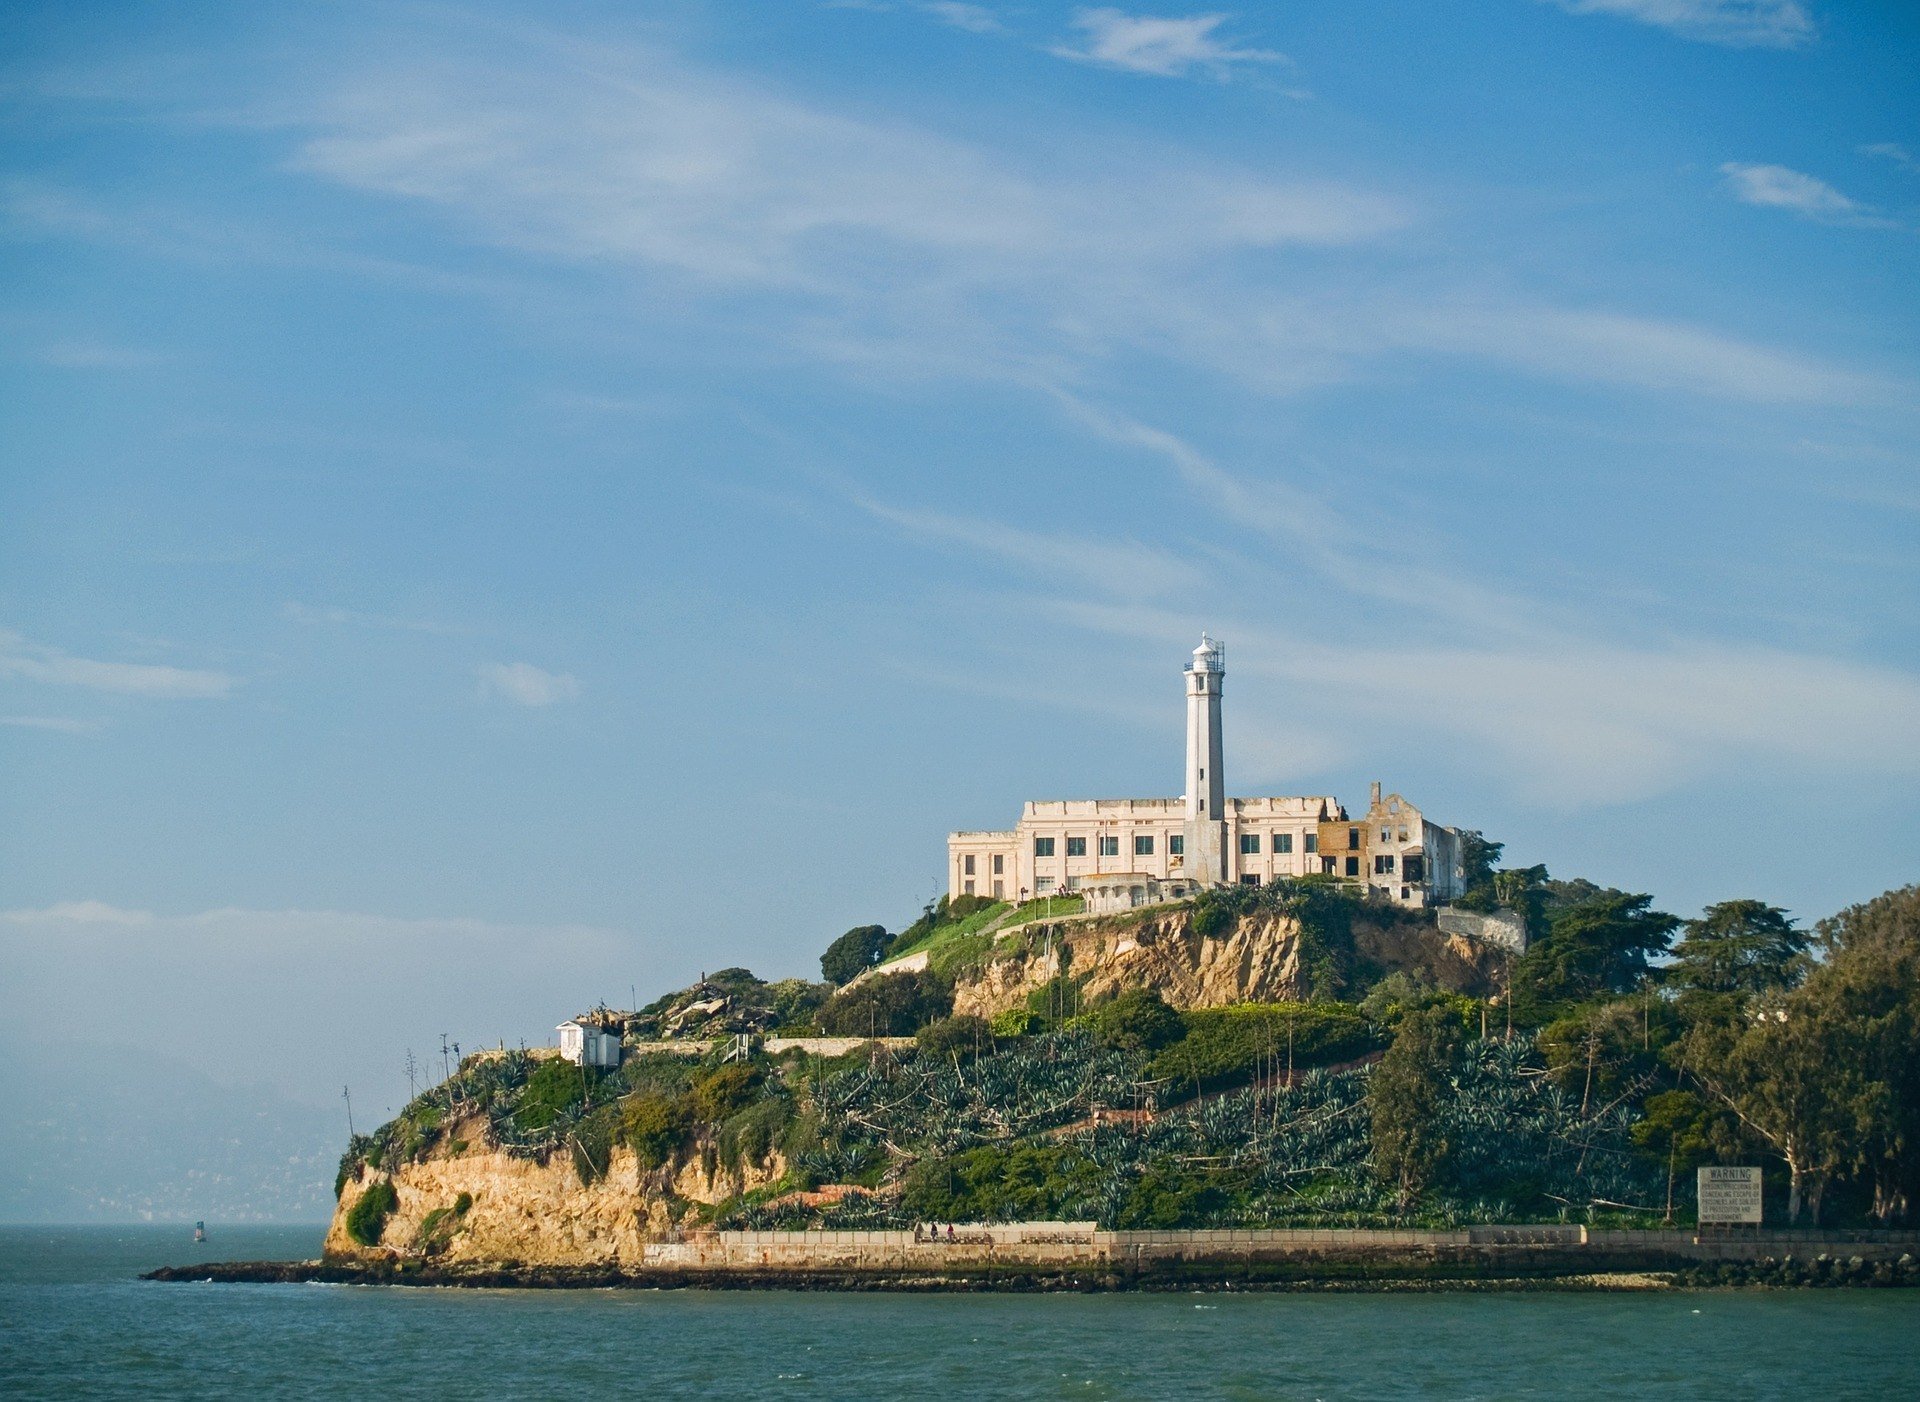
850, 956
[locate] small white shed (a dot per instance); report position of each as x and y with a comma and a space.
587, 1043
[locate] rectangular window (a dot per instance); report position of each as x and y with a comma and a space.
966, 865
1076, 847
999, 890
1353, 866
969, 889
1251, 878
1109, 846
1143, 846
1403, 834
1249, 844
1283, 843
1353, 839
999, 867
1176, 847
1412, 868
1043, 884
1383, 864
1073, 883
1386, 835
1043, 847
1313, 842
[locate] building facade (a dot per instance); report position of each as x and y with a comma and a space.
1130, 851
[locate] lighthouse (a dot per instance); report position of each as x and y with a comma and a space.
1205, 843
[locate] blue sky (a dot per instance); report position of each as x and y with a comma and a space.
538, 507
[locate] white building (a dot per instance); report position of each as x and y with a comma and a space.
586, 1041
1132, 851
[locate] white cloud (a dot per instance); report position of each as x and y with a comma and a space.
333, 614
1642, 352
66, 724
1780, 187
1562, 703
1573, 719
38, 663
1161, 47
631, 157
975, 19
1891, 151
1117, 569
903, 253
78, 913
525, 684
1759, 24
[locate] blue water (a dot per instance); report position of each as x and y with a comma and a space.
75, 1321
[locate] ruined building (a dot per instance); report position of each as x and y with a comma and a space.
1121, 852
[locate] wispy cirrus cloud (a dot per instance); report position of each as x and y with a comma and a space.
1740, 24
1572, 707
524, 684
66, 725
975, 19
1891, 151
1118, 569
36, 662
334, 615
902, 251
1160, 47
1781, 187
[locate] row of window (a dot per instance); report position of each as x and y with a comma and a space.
1383, 864
1282, 843
1176, 845
1250, 846
1110, 846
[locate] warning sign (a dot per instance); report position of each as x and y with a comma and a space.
1729, 1195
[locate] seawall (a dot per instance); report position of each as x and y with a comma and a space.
1078, 1256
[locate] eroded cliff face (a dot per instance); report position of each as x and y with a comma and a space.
1259, 959
539, 1214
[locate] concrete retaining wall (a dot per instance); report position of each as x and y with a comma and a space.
1065, 1245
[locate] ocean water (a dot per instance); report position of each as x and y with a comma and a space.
76, 1322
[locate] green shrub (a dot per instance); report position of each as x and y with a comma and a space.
748, 1135
1138, 1020
1016, 1022
462, 1204
795, 1001
556, 1087
725, 1091
367, 1218
964, 1037
1226, 1046
892, 1005
654, 1125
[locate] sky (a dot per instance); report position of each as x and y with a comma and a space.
499, 512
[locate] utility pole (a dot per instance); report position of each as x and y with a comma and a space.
348, 1097
413, 1075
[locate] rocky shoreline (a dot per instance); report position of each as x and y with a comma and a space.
1321, 1274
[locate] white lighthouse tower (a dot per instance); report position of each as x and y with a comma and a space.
1206, 793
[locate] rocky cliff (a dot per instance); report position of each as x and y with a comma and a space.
539, 1214
1264, 956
